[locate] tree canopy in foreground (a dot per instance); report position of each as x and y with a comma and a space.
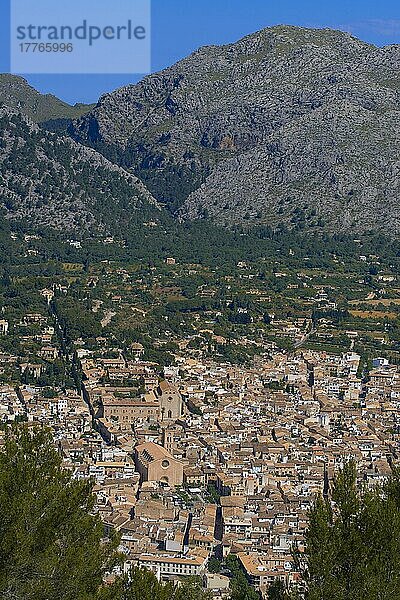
52, 546
353, 542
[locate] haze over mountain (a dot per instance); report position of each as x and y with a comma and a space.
288, 125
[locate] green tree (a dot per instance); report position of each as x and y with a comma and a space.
214, 565
353, 541
141, 584
278, 591
191, 589
51, 547
241, 589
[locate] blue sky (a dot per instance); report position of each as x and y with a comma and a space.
181, 26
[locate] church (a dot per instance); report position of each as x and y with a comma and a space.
171, 405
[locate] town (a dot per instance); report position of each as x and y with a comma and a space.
209, 405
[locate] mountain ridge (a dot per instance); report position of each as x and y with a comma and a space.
181, 129
288, 127
15, 92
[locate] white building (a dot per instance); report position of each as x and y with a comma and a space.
3, 327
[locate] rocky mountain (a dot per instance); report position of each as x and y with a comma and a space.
15, 92
48, 180
288, 125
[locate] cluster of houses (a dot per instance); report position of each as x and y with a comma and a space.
210, 459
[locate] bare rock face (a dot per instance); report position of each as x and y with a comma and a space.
288, 125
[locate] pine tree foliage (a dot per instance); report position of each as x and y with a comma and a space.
141, 584
353, 541
51, 547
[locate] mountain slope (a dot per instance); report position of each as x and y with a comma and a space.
15, 92
313, 174
288, 125
51, 181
